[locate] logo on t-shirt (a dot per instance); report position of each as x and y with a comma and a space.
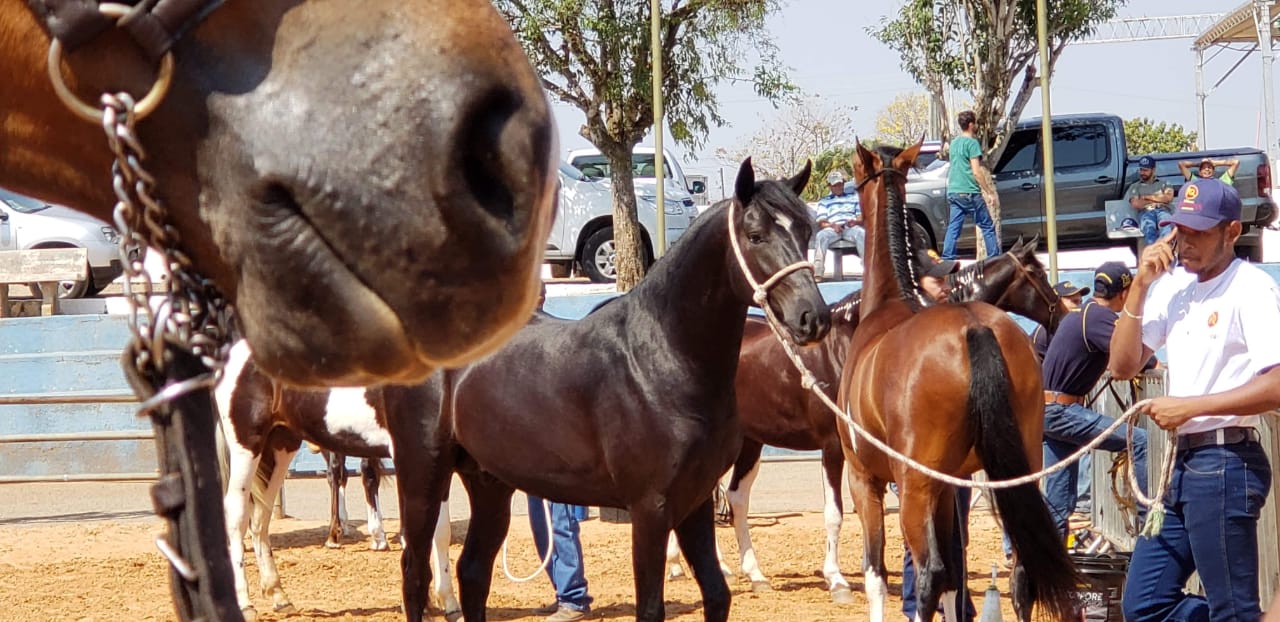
1213, 319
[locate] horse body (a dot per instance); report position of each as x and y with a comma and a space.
264, 426
630, 407
391, 159
956, 388
775, 409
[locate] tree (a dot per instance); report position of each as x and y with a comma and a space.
1145, 136
904, 120
596, 56
801, 131
985, 48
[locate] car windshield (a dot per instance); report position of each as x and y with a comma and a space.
642, 165
22, 204
572, 173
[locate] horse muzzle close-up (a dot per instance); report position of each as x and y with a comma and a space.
403, 238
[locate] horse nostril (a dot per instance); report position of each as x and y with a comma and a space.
500, 143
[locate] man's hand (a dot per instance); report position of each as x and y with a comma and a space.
1170, 412
1156, 259
837, 228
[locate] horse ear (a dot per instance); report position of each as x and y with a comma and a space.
907, 158
1017, 246
801, 180
745, 187
864, 162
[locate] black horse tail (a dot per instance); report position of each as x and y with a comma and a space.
1050, 575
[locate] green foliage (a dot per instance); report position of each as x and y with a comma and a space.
1145, 136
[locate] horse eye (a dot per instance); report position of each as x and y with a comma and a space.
755, 238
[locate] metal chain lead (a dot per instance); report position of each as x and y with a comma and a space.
193, 313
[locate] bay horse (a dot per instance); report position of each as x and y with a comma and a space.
264, 425
775, 409
629, 407
369, 182
956, 388
371, 474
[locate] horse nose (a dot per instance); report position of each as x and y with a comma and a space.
504, 153
814, 324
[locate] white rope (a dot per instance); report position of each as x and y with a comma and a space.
551, 546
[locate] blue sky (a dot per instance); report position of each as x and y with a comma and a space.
819, 40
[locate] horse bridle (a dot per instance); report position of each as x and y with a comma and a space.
153, 24
1050, 299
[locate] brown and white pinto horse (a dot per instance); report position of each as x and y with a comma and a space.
357, 176
775, 409
264, 425
955, 387
335, 473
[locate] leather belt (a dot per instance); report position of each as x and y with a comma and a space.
1066, 399
1220, 436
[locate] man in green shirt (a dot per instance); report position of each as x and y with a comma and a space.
1150, 196
965, 181
1208, 167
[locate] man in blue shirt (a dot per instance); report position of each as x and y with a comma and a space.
1077, 356
839, 218
966, 180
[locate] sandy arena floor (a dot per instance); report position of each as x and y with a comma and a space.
108, 570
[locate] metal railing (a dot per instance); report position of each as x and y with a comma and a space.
75, 397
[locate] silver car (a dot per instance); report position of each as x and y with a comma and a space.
27, 223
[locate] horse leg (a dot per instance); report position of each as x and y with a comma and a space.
371, 476
442, 575
490, 519
745, 470
240, 469
674, 569
422, 479
697, 535
833, 515
336, 473
263, 504
919, 529
868, 500
649, 528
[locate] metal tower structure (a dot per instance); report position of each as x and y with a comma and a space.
1152, 28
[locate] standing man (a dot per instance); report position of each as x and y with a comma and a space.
565, 568
1216, 317
1073, 364
966, 180
839, 218
1151, 198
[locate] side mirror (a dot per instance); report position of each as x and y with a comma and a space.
698, 187
4, 216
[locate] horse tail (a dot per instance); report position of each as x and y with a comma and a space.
1051, 577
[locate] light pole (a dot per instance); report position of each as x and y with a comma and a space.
1046, 140
655, 35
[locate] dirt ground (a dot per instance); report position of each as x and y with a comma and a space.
110, 570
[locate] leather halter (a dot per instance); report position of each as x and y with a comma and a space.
153, 24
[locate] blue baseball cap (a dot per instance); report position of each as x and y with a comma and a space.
1203, 203
1146, 162
1111, 278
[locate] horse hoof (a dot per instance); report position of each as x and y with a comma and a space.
249, 614
761, 586
330, 544
453, 616
677, 576
379, 545
842, 595
286, 608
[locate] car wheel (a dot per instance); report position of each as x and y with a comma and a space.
599, 256
66, 289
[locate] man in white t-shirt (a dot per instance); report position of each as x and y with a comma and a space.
1217, 317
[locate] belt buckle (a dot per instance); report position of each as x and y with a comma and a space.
1220, 436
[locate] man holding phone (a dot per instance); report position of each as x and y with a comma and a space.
1216, 317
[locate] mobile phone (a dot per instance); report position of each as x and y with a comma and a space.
1177, 259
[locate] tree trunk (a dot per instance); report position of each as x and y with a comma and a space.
993, 207
627, 240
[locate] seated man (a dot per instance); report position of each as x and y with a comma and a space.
839, 218
1150, 197
1208, 166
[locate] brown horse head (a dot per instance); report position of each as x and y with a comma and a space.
882, 178
369, 181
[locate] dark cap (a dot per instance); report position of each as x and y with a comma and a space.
1146, 162
1067, 288
1111, 278
1203, 203
935, 266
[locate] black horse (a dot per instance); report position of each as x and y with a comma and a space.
631, 407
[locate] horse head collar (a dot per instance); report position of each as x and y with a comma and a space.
153, 24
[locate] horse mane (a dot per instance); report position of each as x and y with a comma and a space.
846, 308
967, 281
899, 243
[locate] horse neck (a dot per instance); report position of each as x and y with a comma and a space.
689, 293
983, 281
844, 320
888, 277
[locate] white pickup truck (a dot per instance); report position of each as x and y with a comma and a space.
582, 233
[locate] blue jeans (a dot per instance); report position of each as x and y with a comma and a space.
957, 557
1210, 525
1084, 487
1066, 430
565, 568
962, 206
1149, 222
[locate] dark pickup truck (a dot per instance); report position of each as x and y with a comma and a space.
1091, 167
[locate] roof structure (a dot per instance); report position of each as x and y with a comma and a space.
1236, 27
